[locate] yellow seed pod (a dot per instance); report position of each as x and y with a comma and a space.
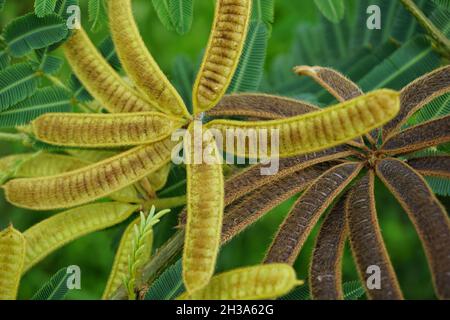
6, 163
47, 164
317, 130
222, 55
205, 205
139, 63
120, 266
12, 257
50, 234
104, 130
89, 183
260, 282
99, 78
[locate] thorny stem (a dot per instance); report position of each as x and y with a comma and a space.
165, 203
440, 40
162, 258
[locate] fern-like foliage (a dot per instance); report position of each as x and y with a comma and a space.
44, 7
175, 15
333, 10
55, 289
169, 285
352, 291
97, 14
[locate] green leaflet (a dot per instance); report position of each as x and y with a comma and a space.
2, 4
412, 60
440, 186
29, 32
17, 83
175, 14
333, 10
49, 99
437, 108
445, 4
169, 285
5, 59
250, 70
97, 14
44, 7
183, 78
51, 64
264, 11
55, 289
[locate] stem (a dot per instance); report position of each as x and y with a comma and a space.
13, 137
165, 203
157, 264
439, 39
172, 187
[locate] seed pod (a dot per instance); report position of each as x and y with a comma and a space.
260, 106
367, 241
91, 182
263, 282
50, 234
317, 130
427, 214
99, 78
338, 85
222, 55
417, 94
12, 256
138, 62
437, 166
104, 130
120, 266
326, 263
205, 194
307, 210
431, 133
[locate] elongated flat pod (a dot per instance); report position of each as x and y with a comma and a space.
435, 166
7, 162
261, 106
245, 211
222, 54
427, 214
120, 265
307, 210
314, 131
139, 63
12, 257
99, 78
335, 83
205, 194
104, 130
250, 179
366, 239
50, 234
91, 182
251, 283
431, 133
416, 95
326, 264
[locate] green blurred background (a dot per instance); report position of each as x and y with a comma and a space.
94, 253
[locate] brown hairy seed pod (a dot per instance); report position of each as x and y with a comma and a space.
319, 130
416, 95
139, 63
338, 85
250, 283
12, 255
52, 233
104, 130
91, 182
222, 54
261, 106
427, 214
437, 166
205, 194
326, 264
307, 210
99, 78
366, 239
422, 136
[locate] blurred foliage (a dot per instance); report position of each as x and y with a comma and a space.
94, 253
